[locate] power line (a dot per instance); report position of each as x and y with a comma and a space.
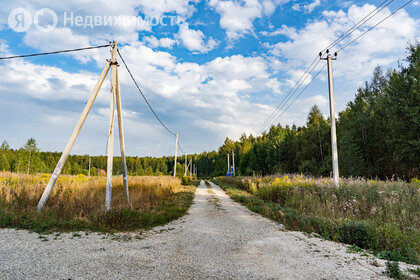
359, 24
54, 52
144, 97
179, 145
301, 92
291, 93
358, 37
275, 111
366, 18
147, 102
408, 2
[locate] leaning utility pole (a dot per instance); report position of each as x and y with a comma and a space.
110, 151
176, 153
233, 162
329, 59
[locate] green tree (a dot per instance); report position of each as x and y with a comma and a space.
31, 150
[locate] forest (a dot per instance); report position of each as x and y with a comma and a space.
378, 137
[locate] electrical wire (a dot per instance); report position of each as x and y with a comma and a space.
366, 18
302, 91
144, 97
54, 52
291, 93
276, 110
408, 2
359, 24
358, 37
147, 102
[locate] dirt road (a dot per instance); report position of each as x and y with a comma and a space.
217, 239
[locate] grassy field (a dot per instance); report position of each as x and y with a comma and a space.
382, 216
78, 203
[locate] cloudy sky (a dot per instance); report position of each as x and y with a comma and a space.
210, 68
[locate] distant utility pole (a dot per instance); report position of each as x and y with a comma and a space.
89, 166
190, 168
228, 164
329, 60
233, 161
186, 165
176, 153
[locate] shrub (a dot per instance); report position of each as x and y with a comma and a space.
361, 234
393, 270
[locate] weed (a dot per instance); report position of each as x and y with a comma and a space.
381, 216
393, 271
354, 249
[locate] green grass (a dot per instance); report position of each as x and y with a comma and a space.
78, 205
383, 217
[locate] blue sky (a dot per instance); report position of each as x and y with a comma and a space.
218, 72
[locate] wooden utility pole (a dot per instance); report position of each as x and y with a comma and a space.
110, 152
115, 97
73, 138
190, 168
228, 165
186, 165
176, 153
336, 175
122, 142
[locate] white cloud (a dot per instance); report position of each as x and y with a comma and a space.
48, 82
154, 42
307, 8
310, 7
237, 17
381, 46
66, 36
194, 40
416, 3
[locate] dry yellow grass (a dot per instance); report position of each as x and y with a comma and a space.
82, 199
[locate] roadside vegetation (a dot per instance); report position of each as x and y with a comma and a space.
381, 216
77, 203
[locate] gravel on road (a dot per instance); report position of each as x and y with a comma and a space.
217, 239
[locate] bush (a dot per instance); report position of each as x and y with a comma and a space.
393, 270
361, 234
186, 180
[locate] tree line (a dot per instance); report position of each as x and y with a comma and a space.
378, 137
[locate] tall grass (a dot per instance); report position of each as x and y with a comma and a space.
78, 202
383, 216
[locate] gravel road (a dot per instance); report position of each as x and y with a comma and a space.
217, 239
